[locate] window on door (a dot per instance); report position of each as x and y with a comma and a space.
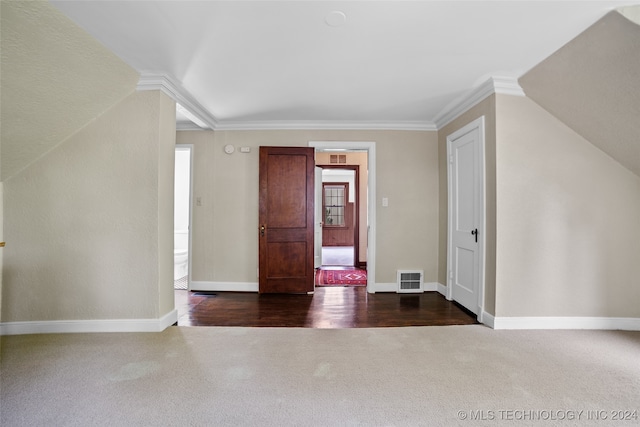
335, 196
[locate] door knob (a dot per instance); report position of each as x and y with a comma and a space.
475, 233
262, 230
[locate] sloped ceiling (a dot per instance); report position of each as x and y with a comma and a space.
592, 84
55, 78
318, 64
268, 62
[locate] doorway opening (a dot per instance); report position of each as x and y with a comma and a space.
340, 216
182, 217
347, 209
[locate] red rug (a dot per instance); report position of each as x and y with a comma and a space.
354, 277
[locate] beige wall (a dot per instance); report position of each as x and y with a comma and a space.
1, 240
166, 141
55, 79
568, 241
485, 108
89, 224
225, 244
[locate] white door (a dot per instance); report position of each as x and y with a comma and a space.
318, 218
466, 228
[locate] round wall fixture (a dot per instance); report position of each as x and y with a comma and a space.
229, 149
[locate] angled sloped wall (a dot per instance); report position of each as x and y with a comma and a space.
568, 241
90, 223
592, 85
87, 167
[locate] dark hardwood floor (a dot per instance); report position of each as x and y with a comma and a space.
329, 307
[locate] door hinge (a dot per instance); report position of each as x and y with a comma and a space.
451, 158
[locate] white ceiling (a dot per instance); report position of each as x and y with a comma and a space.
290, 63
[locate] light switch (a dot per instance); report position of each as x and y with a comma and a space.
385, 202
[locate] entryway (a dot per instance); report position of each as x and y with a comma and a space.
182, 216
341, 217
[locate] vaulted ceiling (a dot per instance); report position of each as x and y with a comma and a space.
395, 64
315, 64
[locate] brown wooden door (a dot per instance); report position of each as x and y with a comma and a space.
286, 220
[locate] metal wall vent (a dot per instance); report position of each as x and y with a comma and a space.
338, 158
410, 281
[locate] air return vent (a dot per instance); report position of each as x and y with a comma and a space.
338, 158
410, 281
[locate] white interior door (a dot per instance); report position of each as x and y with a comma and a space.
466, 230
318, 218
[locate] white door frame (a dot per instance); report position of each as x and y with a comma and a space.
317, 220
190, 259
479, 125
370, 148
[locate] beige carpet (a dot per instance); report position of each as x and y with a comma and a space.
414, 376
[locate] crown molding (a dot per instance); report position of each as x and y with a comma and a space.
170, 87
326, 125
204, 120
188, 126
496, 84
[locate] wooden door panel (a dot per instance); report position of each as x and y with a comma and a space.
287, 192
341, 236
286, 220
286, 260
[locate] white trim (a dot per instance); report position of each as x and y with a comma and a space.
442, 289
482, 226
89, 326
187, 126
173, 89
325, 125
393, 287
383, 287
609, 323
370, 148
224, 286
430, 287
495, 84
487, 319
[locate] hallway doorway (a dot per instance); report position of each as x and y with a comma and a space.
182, 216
341, 212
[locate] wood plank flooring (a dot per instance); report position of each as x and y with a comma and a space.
329, 307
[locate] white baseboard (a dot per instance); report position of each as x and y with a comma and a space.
487, 319
225, 286
427, 287
609, 323
89, 326
385, 287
